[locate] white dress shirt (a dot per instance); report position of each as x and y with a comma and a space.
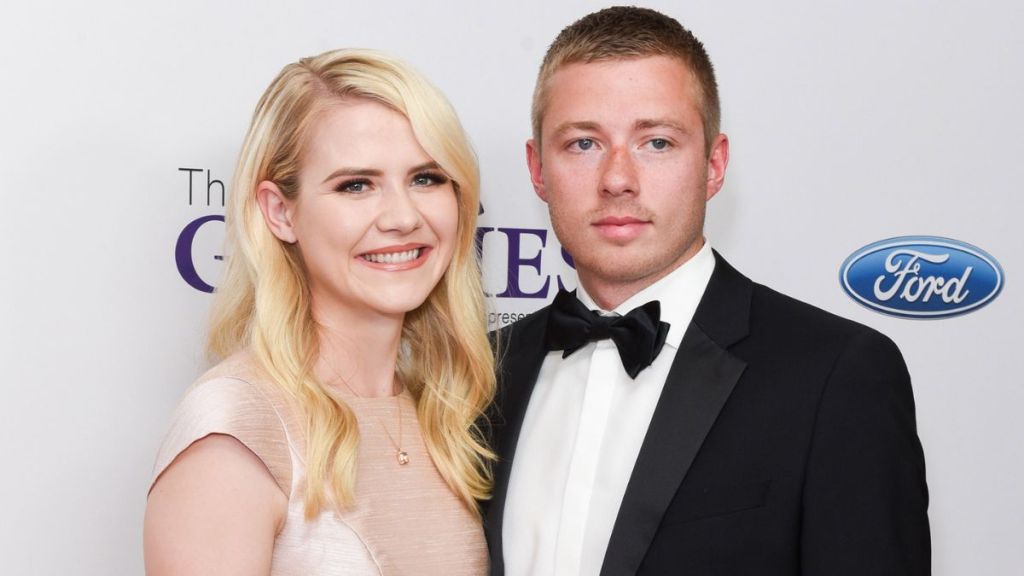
581, 436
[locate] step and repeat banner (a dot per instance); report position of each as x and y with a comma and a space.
875, 173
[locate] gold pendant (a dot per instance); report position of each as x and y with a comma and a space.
403, 457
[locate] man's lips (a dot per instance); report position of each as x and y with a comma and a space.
619, 221
620, 228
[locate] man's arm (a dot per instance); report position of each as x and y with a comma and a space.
865, 501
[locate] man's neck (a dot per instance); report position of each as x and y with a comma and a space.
609, 294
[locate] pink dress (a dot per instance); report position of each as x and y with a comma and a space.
405, 520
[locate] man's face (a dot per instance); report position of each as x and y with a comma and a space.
624, 170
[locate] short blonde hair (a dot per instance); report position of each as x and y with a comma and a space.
264, 300
626, 32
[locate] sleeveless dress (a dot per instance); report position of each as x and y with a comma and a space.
404, 520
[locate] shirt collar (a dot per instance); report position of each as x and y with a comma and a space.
679, 294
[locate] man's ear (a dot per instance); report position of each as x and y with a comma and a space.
277, 211
718, 161
533, 163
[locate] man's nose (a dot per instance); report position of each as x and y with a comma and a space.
618, 172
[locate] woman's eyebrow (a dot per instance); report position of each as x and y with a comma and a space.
353, 172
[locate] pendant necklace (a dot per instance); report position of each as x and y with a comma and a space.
401, 455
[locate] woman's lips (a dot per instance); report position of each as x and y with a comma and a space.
403, 257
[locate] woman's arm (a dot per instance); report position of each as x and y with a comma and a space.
214, 511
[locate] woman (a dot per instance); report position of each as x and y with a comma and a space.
338, 435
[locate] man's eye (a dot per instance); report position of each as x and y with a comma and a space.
583, 144
659, 143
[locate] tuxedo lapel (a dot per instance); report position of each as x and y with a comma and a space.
702, 376
519, 361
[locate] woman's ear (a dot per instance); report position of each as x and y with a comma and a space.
277, 211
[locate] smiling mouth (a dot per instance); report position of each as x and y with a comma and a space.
393, 257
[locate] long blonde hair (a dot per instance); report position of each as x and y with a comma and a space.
264, 302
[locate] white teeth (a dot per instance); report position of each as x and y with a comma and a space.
393, 257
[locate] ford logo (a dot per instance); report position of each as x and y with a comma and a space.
921, 277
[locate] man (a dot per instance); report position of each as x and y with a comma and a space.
753, 434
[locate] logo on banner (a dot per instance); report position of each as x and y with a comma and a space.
189, 256
922, 277
528, 271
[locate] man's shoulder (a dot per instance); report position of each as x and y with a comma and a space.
529, 328
526, 323
768, 303
792, 322
743, 309
529, 325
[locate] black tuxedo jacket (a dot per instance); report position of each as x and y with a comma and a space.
784, 443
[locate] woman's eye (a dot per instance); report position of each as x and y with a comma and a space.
659, 143
582, 144
353, 186
429, 179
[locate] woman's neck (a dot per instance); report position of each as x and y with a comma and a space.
359, 355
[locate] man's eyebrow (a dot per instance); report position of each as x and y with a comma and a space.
352, 172
585, 126
642, 124
646, 124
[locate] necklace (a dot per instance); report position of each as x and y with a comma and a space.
401, 455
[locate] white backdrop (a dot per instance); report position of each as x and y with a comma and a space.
850, 122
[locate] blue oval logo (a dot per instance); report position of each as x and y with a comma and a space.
922, 277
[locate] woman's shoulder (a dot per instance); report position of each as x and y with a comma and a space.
235, 398
242, 365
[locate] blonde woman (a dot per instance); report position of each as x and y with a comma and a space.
337, 435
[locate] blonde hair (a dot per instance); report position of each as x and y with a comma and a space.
264, 300
625, 32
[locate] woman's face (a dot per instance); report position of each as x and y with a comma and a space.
375, 219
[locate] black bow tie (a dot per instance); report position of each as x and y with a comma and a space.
638, 335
